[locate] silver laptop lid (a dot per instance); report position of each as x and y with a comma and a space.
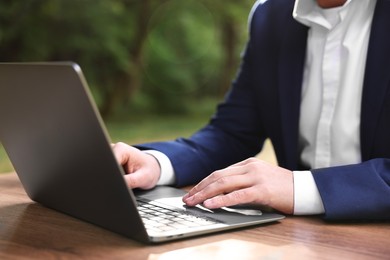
58, 146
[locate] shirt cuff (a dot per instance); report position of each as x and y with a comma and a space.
167, 175
307, 199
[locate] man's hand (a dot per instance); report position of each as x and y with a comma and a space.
142, 170
251, 181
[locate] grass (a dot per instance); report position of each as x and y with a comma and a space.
153, 128
5, 164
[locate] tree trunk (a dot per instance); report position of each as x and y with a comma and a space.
229, 42
128, 82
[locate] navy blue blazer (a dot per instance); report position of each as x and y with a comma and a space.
264, 102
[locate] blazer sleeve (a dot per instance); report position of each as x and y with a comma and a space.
360, 191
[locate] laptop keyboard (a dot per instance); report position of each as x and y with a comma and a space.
160, 219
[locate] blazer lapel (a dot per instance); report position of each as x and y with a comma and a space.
289, 87
377, 75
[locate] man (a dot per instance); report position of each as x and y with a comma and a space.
315, 80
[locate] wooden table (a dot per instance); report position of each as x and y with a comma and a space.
31, 231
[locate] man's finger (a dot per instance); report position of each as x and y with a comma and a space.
223, 185
214, 177
241, 196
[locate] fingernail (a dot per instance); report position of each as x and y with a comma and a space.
209, 203
189, 200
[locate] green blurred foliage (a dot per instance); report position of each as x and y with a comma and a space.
152, 55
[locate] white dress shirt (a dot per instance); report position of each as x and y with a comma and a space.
331, 94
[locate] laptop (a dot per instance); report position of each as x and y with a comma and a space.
60, 149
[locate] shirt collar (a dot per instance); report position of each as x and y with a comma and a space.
309, 13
